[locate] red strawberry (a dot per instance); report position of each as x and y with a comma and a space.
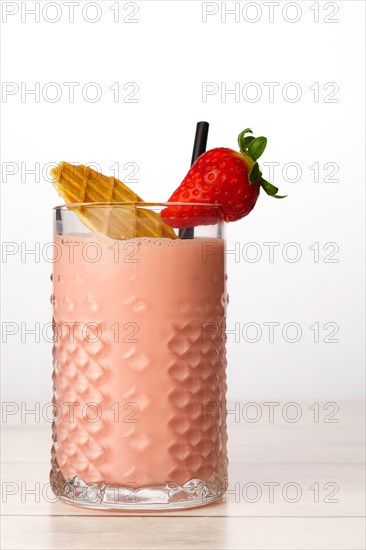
224, 177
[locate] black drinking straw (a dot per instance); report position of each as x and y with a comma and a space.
199, 147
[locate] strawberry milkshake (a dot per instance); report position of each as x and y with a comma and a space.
139, 370
139, 300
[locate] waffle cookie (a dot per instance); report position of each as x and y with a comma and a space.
82, 184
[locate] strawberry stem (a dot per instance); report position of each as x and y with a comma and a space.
254, 148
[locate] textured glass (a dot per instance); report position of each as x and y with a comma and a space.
139, 368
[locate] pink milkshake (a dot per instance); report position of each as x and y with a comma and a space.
139, 370
139, 300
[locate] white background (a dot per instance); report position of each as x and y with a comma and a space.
170, 52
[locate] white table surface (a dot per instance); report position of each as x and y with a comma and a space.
306, 453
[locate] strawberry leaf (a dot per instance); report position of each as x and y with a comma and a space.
257, 147
271, 190
254, 173
243, 141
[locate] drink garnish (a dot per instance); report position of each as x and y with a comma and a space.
221, 176
82, 184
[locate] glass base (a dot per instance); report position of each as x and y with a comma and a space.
113, 497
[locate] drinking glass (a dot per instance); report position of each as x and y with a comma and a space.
139, 382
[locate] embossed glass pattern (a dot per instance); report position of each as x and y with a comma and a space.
139, 364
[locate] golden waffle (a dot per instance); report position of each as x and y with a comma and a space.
77, 184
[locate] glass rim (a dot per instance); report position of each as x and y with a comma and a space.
137, 203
